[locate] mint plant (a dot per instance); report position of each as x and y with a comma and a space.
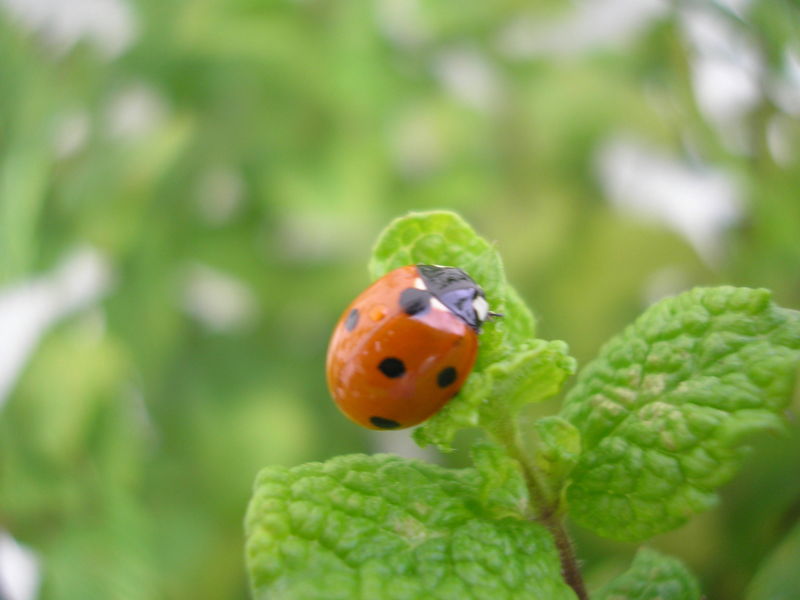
649, 431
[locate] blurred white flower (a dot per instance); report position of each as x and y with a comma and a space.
29, 308
135, 111
19, 570
589, 25
469, 76
216, 299
402, 22
727, 72
697, 201
786, 90
782, 135
108, 24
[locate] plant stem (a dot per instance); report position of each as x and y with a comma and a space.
569, 562
546, 506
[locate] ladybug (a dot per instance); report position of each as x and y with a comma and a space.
406, 345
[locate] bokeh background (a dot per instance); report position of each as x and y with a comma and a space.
189, 192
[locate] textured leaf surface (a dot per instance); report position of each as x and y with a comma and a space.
512, 368
439, 238
444, 238
558, 446
664, 409
652, 576
502, 486
532, 373
381, 527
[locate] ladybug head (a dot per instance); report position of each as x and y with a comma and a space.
458, 292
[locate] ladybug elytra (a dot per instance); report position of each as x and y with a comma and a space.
406, 345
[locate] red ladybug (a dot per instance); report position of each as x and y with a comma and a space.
405, 346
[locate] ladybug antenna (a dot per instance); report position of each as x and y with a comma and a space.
494, 314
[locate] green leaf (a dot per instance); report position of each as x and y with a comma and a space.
533, 373
522, 324
439, 238
512, 368
502, 486
652, 576
779, 578
558, 448
490, 398
381, 527
444, 238
664, 409
461, 412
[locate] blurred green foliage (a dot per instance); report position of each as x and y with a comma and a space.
270, 141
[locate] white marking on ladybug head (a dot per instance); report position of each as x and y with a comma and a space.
481, 307
419, 284
436, 304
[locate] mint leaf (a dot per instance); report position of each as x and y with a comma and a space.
558, 447
462, 412
779, 578
444, 238
652, 576
664, 409
381, 527
534, 372
518, 323
439, 238
512, 368
502, 486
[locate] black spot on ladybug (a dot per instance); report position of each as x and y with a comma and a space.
414, 301
384, 423
446, 377
352, 320
392, 367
